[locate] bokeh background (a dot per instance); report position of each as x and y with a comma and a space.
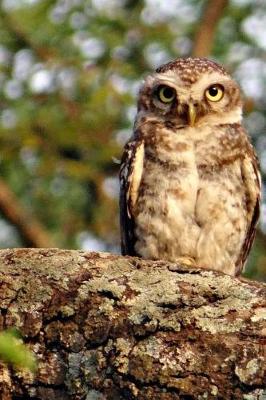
69, 75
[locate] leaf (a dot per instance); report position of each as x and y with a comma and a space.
13, 351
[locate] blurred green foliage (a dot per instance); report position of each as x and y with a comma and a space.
69, 74
14, 352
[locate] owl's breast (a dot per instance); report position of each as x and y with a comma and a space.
167, 200
190, 201
170, 171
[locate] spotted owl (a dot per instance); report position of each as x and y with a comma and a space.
189, 176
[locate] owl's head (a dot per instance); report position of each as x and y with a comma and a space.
191, 91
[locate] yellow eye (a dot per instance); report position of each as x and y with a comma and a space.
166, 94
214, 92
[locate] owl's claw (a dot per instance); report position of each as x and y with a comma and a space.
187, 261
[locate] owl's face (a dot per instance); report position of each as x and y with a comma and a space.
192, 91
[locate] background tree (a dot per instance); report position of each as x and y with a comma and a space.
69, 73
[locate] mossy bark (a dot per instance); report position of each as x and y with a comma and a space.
109, 327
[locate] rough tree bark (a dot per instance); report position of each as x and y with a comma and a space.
111, 327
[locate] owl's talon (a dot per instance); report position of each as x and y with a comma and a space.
187, 261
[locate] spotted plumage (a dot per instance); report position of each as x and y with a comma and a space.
189, 177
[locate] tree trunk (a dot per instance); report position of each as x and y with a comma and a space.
109, 327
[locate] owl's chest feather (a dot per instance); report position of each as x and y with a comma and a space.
187, 185
190, 156
170, 174
176, 163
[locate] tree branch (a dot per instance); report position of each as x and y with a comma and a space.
32, 232
204, 37
111, 327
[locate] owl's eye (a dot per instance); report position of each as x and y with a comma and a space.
166, 94
214, 92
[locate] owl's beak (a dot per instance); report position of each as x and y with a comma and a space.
192, 114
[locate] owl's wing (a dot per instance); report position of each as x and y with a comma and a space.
130, 177
252, 182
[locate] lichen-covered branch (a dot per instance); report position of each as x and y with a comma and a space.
111, 327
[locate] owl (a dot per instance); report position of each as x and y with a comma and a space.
189, 176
